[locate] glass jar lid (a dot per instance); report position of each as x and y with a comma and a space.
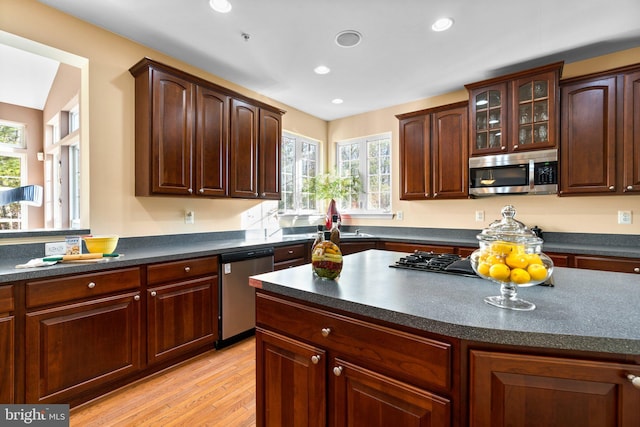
509, 229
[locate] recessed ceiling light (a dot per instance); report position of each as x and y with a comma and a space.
337, 101
348, 38
322, 69
222, 6
442, 24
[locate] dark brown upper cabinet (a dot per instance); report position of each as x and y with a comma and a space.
433, 153
195, 138
600, 141
516, 112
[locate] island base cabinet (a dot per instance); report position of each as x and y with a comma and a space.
7, 326
530, 391
364, 398
290, 379
76, 348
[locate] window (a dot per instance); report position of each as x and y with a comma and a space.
12, 134
299, 161
12, 216
74, 119
74, 185
368, 158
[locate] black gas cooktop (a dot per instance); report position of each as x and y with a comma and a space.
436, 263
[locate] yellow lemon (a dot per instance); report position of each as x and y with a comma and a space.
499, 272
517, 260
483, 268
534, 259
494, 259
501, 248
520, 276
537, 272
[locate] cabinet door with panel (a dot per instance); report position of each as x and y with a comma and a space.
588, 149
353, 247
182, 307
7, 347
211, 142
488, 108
415, 157
357, 390
631, 133
75, 348
269, 154
290, 382
243, 150
450, 164
171, 134
529, 391
290, 256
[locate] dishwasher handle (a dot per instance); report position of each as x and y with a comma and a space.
244, 255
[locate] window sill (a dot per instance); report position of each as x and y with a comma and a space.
367, 215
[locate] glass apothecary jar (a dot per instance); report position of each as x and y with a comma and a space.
510, 255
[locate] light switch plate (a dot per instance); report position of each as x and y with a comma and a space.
624, 217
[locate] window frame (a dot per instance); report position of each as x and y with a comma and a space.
22, 139
298, 177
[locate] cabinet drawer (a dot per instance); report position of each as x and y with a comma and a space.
179, 270
623, 265
289, 252
63, 289
411, 247
420, 361
282, 265
6, 299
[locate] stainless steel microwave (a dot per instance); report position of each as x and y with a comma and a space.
527, 172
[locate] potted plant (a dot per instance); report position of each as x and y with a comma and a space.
331, 187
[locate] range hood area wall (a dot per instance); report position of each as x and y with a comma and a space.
115, 209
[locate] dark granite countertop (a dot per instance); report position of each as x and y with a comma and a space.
586, 310
144, 250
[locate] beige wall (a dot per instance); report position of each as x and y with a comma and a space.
115, 209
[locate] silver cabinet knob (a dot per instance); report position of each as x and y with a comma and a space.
154, 293
629, 187
503, 148
636, 270
337, 371
325, 332
201, 191
515, 147
187, 269
435, 194
290, 252
426, 194
137, 298
315, 359
91, 285
190, 190
635, 381
612, 188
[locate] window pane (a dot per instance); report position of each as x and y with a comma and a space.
299, 162
10, 177
12, 134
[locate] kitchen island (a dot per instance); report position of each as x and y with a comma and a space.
418, 345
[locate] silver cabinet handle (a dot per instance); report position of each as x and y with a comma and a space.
635, 381
187, 269
636, 270
91, 285
137, 298
315, 359
612, 188
154, 293
337, 371
325, 332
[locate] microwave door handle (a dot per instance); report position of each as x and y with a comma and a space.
531, 174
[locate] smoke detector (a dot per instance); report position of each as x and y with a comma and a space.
348, 38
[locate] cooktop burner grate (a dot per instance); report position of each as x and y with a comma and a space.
437, 263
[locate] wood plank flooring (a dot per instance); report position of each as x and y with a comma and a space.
216, 388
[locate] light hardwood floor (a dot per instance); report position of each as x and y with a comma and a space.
216, 388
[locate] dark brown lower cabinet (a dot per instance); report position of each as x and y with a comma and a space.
77, 347
7, 327
181, 317
362, 397
530, 391
317, 368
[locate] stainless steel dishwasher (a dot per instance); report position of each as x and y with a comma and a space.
237, 316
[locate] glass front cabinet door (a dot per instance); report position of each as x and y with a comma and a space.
515, 112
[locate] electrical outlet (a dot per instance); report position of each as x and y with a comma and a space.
399, 215
55, 248
625, 217
189, 217
479, 216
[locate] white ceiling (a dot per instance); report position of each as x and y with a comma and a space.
25, 78
399, 59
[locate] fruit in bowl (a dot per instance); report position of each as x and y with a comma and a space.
326, 260
511, 255
101, 244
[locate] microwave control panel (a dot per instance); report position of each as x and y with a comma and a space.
545, 173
